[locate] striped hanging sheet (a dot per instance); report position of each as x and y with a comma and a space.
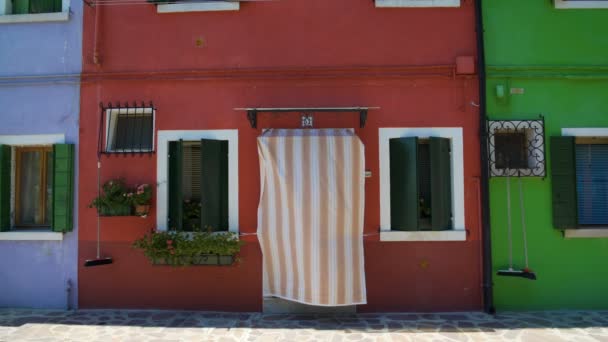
310, 215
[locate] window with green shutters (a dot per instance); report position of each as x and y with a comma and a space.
420, 184
198, 185
42, 180
36, 6
579, 181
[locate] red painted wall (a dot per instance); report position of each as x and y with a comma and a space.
306, 53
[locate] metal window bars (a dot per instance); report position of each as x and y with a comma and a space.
534, 131
126, 128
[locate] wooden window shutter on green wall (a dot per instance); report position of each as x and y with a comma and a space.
175, 186
214, 185
63, 188
5, 188
21, 7
441, 184
404, 183
563, 164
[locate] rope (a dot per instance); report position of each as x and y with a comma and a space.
509, 219
523, 220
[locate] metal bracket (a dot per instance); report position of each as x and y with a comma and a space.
362, 118
252, 116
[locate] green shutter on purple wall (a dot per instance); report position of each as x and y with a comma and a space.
214, 185
441, 184
63, 188
404, 183
176, 200
5, 187
563, 182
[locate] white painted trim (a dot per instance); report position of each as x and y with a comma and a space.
585, 132
198, 7
586, 233
32, 140
232, 135
417, 3
30, 236
115, 112
445, 235
453, 133
580, 4
34, 18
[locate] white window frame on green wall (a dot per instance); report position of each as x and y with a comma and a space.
565, 4
417, 3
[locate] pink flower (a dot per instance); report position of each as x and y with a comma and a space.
169, 242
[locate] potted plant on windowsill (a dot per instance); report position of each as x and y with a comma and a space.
113, 199
141, 198
187, 249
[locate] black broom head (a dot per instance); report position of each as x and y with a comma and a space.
98, 262
525, 273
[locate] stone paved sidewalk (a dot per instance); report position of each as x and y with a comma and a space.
126, 325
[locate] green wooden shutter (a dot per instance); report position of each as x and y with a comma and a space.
214, 185
441, 184
63, 188
563, 164
5, 188
176, 200
404, 183
44, 6
21, 7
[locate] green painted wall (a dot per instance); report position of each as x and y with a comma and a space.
560, 59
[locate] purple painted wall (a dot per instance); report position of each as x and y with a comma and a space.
36, 273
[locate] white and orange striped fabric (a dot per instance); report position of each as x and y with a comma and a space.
310, 216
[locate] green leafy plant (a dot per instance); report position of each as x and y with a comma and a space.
141, 195
183, 249
113, 200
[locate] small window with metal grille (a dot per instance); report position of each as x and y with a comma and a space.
130, 130
511, 150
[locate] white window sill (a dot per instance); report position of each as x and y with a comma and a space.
34, 18
586, 233
30, 236
198, 7
417, 3
580, 4
444, 235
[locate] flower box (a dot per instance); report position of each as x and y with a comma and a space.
198, 260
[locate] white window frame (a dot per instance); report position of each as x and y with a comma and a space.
417, 3
458, 232
162, 162
563, 4
198, 7
110, 131
29, 140
600, 232
7, 18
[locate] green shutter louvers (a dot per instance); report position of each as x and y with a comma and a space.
175, 205
63, 188
441, 184
563, 184
404, 183
214, 185
5, 188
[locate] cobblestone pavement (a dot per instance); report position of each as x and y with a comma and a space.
126, 325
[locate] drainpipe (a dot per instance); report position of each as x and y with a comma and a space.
488, 303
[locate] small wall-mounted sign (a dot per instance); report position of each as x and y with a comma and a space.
307, 121
517, 91
368, 174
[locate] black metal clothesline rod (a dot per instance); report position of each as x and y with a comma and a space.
252, 113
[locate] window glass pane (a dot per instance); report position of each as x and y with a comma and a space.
49, 188
191, 185
424, 184
511, 150
133, 132
29, 212
592, 183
